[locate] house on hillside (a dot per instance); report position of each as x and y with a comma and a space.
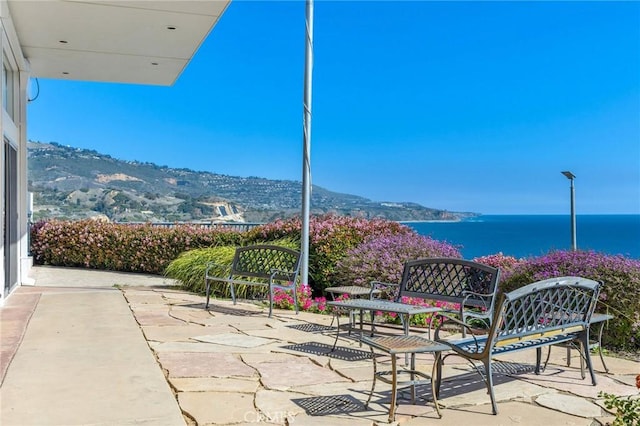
124, 41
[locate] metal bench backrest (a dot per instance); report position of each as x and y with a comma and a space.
261, 261
560, 305
449, 280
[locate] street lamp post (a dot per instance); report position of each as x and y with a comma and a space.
571, 177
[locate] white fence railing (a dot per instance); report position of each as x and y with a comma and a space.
236, 226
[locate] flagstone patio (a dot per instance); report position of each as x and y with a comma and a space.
233, 364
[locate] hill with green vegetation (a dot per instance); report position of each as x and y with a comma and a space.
74, 183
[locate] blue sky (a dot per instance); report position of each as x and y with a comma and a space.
464, 106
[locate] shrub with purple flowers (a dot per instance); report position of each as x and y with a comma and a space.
382, 258
620, 294
500, 261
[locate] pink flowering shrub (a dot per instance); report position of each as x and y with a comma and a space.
119, 247
382, 258
306, 302
620, 294
330, 237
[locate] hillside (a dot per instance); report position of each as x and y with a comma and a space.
75, 183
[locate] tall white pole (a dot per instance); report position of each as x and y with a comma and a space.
306, 153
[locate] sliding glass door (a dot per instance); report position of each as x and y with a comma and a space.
10, 216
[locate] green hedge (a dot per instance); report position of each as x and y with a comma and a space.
120, 247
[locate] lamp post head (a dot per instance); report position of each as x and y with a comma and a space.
569, 175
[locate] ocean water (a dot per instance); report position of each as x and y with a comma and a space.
534, 235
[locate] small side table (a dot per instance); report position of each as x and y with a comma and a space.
600, 320
350, 290
394, 345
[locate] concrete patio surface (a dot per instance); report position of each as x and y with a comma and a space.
85, 347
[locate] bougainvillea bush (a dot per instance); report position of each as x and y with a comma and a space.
620, 294
306, 302
120, 247
382, 258
330, 237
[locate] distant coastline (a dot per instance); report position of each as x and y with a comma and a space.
73, 183
433, 221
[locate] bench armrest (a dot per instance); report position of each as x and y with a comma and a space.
281, 272
484, 297
217, 267
445, 319
381, 286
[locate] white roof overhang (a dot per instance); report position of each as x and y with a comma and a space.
139, 41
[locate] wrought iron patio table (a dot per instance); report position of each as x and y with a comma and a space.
353, 291
405, 311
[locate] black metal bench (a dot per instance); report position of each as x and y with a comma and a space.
458, 281
538, 315
270, 266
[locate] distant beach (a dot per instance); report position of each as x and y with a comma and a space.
533, 235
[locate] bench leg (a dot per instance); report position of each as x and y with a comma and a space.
233, 293
584, 342
489, 381
207, 289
